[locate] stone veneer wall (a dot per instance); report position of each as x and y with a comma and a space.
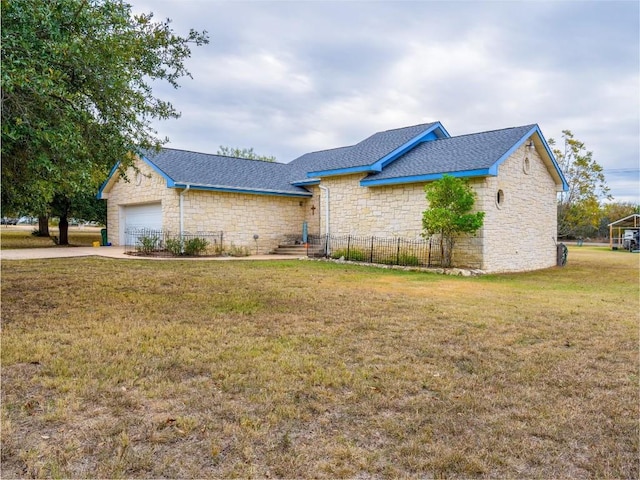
386, 211
519, 235
241, 216
146, 187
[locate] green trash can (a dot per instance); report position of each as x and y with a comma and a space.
103, 233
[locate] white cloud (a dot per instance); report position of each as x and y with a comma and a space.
292, 77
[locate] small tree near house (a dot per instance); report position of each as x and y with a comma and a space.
450, 214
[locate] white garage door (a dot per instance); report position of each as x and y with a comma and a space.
136, 217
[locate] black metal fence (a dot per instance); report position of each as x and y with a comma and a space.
145, 241
389, 251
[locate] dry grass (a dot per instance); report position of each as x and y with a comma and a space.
144, 369
20, 237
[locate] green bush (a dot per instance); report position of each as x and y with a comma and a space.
174, 246
408, 260
148, 244
353, 255
238, 251
195, 246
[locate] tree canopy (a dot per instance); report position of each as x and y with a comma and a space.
449, 213
578, 208
247, 153
77, 94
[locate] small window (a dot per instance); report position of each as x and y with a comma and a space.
526, 165
500, 198
138, 178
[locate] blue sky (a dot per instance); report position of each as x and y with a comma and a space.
287, 78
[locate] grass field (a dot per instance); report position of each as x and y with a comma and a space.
177, 369
20, 237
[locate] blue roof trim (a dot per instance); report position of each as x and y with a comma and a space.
424, 178
170, 182
565, 184
430, 134
216, 188
104, 184
494, 168
302, 183
342, 171
426, 136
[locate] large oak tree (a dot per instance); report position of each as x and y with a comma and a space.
77, 78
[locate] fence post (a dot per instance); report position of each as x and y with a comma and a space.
349, 247
371, 253
398, 253
429, 259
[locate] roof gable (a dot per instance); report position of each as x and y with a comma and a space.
371, 154
478, 154
201, 171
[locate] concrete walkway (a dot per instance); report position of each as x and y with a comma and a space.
112, 252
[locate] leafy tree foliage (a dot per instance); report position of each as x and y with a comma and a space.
247, 153
610, 212
449, 215
77, 94
578, 208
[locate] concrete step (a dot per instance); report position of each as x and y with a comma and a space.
296, 250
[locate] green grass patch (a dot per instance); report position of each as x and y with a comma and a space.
21, 237
180, 369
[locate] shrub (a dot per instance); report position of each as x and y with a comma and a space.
408, 259
174, 246
148, 244
353, 254
195, 246
238, 251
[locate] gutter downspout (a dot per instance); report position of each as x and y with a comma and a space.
181, 211
327, 217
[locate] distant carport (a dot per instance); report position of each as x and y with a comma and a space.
625, 232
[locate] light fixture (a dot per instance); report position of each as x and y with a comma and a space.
530, 145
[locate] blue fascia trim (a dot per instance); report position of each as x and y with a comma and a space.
426, 136
104, 184
445, 134
425, 178
565, 184
536, 129
302, 183
216, 188
170, 182
342, 171
430, 134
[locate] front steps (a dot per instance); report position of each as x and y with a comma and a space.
298, 250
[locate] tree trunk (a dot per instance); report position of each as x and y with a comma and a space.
43, 226
63, 226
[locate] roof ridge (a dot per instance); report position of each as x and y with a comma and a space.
223, 156
408, 126
489, 131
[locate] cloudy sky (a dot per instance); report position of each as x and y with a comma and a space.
287, 78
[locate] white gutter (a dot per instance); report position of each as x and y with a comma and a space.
181, 210
326, 216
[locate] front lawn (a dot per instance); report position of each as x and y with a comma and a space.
21, 237
147, 369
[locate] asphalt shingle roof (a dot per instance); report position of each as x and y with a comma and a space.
478, 151
206, 170
455, 154
367, 152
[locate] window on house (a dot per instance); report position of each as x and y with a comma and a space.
500, 198
526, 166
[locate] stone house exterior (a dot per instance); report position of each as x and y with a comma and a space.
375, 187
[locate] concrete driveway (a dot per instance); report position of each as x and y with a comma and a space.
111, 252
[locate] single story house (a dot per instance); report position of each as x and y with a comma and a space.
375, 187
